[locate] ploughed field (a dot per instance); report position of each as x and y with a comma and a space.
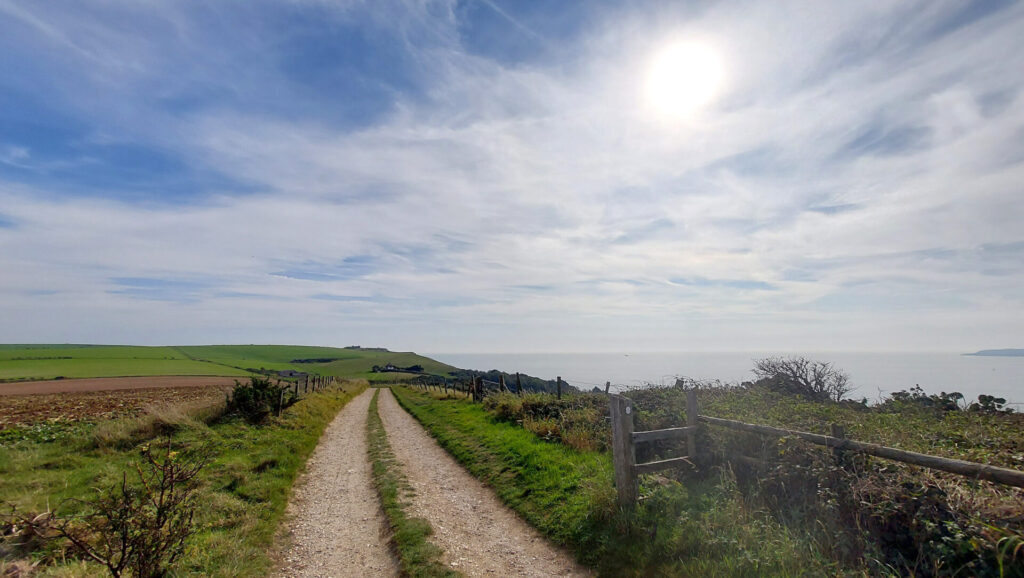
95, 404
102, 384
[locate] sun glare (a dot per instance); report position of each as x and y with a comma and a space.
683, 78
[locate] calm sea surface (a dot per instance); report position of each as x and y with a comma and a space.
872, 374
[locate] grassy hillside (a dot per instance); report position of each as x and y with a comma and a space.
49, 361
352, 363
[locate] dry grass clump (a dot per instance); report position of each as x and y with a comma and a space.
544, 427
161, 419
578, 421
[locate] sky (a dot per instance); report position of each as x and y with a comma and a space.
496, 176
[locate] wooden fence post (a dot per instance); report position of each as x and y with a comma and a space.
280, 400
838, 431
296, 388
519, 385
623, 450
607, 387
559, 386
501, 382
692, 412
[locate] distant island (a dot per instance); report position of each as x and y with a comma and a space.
999, 353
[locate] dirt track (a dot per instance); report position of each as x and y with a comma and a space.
336, 527
111, 384
334, 521
480, 536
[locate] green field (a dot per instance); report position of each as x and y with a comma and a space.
36, 362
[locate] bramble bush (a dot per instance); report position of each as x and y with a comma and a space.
257, 399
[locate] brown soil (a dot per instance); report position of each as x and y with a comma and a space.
111, 384
479, 535
99, 405
335, 525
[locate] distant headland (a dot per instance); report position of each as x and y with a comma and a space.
999, 353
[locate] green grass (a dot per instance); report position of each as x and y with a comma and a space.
703, 529
48, 361
885, 516
991, 438
418, 556
348, 363
244, 489
88, 352
117, 367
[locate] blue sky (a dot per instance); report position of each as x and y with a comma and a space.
490, 176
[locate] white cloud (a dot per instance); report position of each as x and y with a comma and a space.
543, 199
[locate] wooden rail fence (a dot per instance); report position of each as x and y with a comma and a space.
478, 388
624, 441
308, 383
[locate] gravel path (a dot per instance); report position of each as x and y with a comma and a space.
480, 536
334, 519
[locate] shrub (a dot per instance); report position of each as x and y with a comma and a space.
801, 376
137, 528
916, 397
989, 404
254, 401
578, 421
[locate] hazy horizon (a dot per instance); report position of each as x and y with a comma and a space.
427, 353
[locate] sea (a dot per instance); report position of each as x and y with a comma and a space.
873, 375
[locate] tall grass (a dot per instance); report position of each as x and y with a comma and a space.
160, 419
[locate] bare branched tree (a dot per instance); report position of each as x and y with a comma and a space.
802, 376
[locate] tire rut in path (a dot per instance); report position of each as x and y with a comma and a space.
480, 536
334, 519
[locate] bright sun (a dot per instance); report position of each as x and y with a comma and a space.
683, 78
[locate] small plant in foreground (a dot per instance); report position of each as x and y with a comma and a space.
137, 528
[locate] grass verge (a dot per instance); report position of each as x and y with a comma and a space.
418, 557
568, 494
244, 490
